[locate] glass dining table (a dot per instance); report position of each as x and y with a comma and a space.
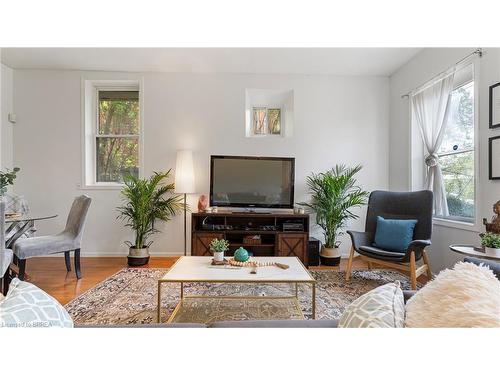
20, 224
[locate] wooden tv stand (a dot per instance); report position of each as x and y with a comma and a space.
235, 226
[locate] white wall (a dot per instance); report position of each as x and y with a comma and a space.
417, 71
337, 120
7, 106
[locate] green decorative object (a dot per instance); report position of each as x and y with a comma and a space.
241, 255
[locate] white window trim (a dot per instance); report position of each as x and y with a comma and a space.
89, 100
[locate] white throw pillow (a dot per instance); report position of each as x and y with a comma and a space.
26, 305
382, 307
466, 296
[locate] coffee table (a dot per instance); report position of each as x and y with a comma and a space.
198, 269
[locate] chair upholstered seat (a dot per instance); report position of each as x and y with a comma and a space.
375, 252
6, 261
44, 245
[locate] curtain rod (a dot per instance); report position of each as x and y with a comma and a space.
478, 51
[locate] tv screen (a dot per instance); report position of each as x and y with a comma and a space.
245, 181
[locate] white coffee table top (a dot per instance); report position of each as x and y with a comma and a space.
191, 268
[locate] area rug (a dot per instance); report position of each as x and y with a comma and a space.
130, 296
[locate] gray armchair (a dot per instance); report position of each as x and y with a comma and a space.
68, 240
5, 254
396, 205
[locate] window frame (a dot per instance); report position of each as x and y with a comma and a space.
417, 154
460, 219
455, 222
267, 133
90, 129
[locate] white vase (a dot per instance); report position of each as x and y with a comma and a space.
219, 256
492, 251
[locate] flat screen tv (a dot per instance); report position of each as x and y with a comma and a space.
248, 181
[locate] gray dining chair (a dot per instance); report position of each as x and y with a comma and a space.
68, 240
6, 255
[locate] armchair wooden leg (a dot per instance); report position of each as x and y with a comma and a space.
369, 265
349, 265
77, 264
426, 262
67, 260
413, 271
22, 268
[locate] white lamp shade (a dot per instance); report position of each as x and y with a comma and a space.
184, 172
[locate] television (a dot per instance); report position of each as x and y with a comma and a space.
248, 181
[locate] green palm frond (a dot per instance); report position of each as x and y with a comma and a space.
333, 196
145, 201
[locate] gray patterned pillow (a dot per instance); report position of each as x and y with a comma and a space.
25, 305
382, 307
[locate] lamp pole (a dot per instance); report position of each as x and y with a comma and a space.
185, 227
184, 182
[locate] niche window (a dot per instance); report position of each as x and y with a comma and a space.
266, 121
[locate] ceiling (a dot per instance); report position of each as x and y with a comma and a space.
336, 61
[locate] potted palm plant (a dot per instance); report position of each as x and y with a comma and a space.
334, 194
144, 202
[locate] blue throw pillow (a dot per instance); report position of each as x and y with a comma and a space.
394, 235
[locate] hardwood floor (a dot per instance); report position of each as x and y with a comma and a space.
49, 273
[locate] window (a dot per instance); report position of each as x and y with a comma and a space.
117, 138
112, 132
269, 113
457, 151
266, 121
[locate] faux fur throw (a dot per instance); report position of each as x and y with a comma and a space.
466, 296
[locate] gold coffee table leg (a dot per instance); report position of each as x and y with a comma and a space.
314, 300
296, 290
158, 317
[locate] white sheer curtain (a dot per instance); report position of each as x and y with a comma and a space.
430, 110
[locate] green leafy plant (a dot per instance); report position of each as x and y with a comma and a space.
333, 196
145, 202
491, 240
218, 246
7, 178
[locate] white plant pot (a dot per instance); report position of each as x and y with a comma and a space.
492, 251
219, 256
330, 252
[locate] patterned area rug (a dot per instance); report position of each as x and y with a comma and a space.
129, 296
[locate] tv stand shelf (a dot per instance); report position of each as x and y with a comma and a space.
234, 226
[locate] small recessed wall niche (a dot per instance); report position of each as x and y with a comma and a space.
268, 113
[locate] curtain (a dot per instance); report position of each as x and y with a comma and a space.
430, 109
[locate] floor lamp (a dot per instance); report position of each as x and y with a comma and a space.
184, 182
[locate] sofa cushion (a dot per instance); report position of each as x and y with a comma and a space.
26, 305
466, 296
394, 235
382, 307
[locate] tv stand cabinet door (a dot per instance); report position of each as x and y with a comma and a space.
201, 243
293, 244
